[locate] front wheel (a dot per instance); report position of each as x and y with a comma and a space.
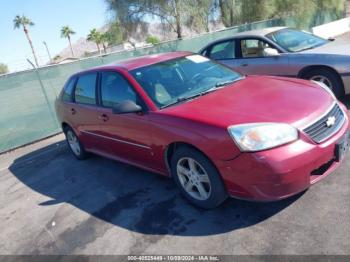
327, 77
197, 178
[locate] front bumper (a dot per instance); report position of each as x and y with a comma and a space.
281, 172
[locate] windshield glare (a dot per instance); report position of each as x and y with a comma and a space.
296, 41
170, 81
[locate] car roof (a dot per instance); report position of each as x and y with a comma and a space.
251, 33
260, 32
137, 62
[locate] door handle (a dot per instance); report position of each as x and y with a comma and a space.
244, 64
73, 111
103, 117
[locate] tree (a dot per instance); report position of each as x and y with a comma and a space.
114, 34
309, 13
255, 10
3, 69
95, 36
66, 32
199, 13
235, 12
228, 12
104, 38
130, 12
25, 22
152, 40
57, 58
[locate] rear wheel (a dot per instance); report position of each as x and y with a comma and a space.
74, 144
197, 178
327, 77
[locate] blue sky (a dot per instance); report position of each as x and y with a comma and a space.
49, 17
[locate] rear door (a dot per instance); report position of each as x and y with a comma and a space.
82, 112
252, 59
126, 136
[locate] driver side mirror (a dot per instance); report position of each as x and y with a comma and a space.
271, 52
126, 107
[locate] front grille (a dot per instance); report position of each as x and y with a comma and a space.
324, 127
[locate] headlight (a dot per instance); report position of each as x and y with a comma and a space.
326, 88
262, 136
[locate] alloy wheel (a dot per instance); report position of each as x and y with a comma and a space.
73, 142
193, 178
322, 79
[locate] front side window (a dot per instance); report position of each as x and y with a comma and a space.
115, 89
85, 89
296, 41
253, 48
224, 50
190, 76
67, 90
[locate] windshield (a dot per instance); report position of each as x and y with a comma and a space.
176, 80
296, 41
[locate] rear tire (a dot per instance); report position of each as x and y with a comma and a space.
197, 178
329, 78
74, 144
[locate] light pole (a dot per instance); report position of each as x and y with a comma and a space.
48, 52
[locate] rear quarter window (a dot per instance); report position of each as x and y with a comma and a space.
85, 89
224, 50
68, 90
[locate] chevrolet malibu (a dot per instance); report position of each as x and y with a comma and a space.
215, 132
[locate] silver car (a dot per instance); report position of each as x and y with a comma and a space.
283, 51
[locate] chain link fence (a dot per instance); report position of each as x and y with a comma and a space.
27, 98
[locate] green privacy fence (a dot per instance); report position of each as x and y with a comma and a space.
27, 98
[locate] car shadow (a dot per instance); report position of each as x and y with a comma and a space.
129, 197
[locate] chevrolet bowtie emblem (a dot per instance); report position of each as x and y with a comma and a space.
330, 121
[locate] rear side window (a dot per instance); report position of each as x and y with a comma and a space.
85, 89
67, 90
115, 89
224, 50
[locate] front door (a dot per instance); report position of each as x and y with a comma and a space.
254, 59
126, 136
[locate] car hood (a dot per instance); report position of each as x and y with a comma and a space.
336, 47
257, 99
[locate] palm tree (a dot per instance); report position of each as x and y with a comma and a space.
66, 32
95, 36
25, 22
105, 40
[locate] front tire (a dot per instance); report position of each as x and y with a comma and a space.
74, 144
197, 178
329, 78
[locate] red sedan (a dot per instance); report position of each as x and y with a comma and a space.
216, 132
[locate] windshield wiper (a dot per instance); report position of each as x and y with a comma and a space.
182, 99
304, 49
225, 83
218, 85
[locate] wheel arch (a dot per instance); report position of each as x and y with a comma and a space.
171, 148
64, 126
309, 68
